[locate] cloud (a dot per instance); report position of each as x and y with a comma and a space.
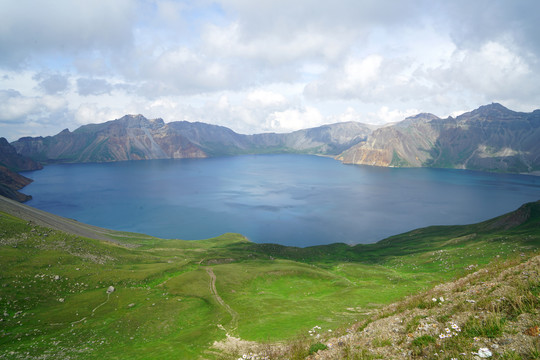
471, 24
495, 71
294, 119
370, 79
183, 71
51, 84
93, 113
86, 86
286, 18
384, 115
33, 29
266, 98
31, 115
14, 107
274, 50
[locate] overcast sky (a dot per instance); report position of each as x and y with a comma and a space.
264, 65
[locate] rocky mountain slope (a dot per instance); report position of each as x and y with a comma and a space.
490, 138
10, 163
133, 137
491, 313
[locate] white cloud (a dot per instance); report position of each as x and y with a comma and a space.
15, 107
294, 119
182, 71
272, 49
265, 98
93, 113
385, 115
494, 70
359, 73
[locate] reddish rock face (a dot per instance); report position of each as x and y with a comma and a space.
490, 138
133, 137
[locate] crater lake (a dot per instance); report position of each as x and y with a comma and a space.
297, 200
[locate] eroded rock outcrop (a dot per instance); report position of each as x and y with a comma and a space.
490, 138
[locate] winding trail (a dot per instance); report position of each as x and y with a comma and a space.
213, 290
84, 318
100, 305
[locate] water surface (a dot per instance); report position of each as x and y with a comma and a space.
298, 200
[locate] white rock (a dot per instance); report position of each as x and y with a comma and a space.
110, 289
484, 353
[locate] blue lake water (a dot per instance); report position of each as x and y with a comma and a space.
298, 200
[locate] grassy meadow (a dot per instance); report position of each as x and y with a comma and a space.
175, 298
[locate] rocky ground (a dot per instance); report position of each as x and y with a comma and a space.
492, 313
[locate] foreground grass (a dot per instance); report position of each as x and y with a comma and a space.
54, 301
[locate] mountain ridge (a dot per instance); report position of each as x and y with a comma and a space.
133, 137
490, 138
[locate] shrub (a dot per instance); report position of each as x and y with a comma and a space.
377, 342
534, 350
490, 327
413, 324
423, 340
316, 347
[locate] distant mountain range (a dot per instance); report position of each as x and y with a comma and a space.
490, 138
133, 137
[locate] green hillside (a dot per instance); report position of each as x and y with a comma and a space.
175, 298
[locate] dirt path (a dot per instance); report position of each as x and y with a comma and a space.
213, 290
84, 318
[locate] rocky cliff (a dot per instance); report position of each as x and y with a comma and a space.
133, 137
490, 138
10, 163
11, 182
128, 138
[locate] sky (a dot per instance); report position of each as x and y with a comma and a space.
262, 66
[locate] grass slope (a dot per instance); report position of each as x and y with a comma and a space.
174, 298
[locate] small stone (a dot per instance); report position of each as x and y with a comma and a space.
61, 300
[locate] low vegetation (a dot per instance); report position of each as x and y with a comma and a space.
66, 296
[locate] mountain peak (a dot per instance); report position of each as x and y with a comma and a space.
493, 111
139, 120
422, 117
